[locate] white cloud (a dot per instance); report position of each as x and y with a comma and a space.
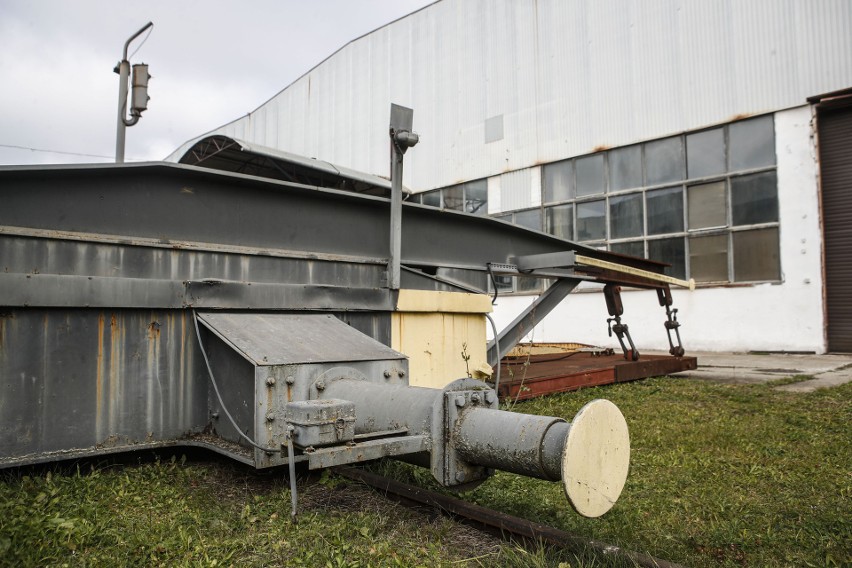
211, 62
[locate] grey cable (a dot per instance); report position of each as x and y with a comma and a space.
496, 348
219, 396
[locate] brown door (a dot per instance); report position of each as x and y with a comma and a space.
834, 125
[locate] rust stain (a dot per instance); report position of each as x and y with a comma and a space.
153, 373
182, 374
601, 148
114, 360
740, 116
3, 318
100, 377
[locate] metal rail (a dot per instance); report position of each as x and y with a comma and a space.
506, 525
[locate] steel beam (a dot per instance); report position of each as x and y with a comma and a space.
177, 203
71, 291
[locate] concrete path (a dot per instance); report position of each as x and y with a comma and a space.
817, 371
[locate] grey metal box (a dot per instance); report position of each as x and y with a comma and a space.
321, 422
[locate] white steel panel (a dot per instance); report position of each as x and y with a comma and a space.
516, 190
569, 78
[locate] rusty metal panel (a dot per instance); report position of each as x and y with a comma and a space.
538, 375
75, 378
77, 382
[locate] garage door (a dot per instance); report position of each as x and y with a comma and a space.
834, 124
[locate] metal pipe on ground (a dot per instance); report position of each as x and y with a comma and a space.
590, 455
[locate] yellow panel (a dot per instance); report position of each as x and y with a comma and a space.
446, 302
438, 331
437, 344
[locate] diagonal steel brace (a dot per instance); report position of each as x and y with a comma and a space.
529, 318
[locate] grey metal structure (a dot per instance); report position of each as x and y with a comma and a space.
105, 272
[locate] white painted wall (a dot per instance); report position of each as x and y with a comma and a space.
765, 317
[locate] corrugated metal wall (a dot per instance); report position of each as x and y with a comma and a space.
561, 78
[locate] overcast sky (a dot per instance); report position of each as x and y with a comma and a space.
211, 62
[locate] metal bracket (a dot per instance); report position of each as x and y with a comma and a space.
671, 324
447, 467
612, 295
291, 463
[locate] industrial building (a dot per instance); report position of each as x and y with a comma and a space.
714, 136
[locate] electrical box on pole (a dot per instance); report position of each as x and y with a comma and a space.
139, 97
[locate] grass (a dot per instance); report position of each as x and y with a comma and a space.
721, 475
213, 514
789, 380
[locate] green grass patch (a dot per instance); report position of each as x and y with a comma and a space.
721, 475
789, 380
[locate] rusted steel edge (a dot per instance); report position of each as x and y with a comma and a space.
497, 520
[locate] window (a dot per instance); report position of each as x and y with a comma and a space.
632, 248
590, 175
476, 197
531, 218
705, 202
705, 153
665, 210
752, 143
454, 198
672, 251
664, 161
471, 197
708, 258
625, 168
432, 198
560, 221
754, 199
558, 180
685, 200
625, 216
707, 207
591, 220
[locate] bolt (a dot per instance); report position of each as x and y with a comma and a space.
474, 398
401, 373
461, 400
290, 379
270, 381
489, 397
387, 374
215, 416
320, 385
270, 417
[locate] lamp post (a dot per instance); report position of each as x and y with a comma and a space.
139, 100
